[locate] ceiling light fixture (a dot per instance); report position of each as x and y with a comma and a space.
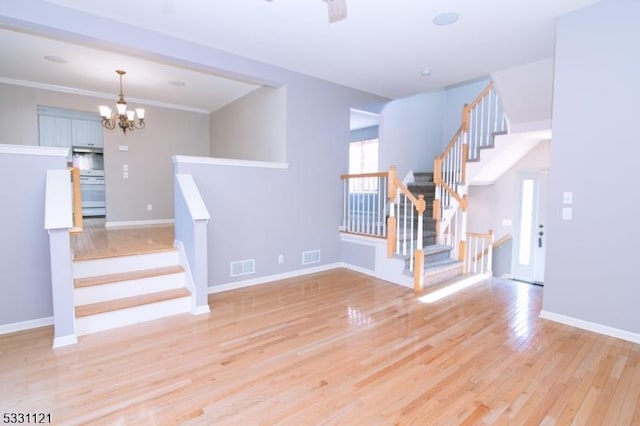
446, 18
126, 119
425, 72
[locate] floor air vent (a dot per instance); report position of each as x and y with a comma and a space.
310, 257
243, 267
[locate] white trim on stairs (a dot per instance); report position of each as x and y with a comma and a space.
134, 223
591, 326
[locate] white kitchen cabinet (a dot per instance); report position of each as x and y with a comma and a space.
87, 133
56, 132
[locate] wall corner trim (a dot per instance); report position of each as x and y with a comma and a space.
185, 159
43, 151
591, 326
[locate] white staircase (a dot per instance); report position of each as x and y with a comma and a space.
119, 291
506, 150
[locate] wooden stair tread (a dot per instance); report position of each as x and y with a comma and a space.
94, 256
126, 276
130, 302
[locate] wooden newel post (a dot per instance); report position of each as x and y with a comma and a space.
391, 219
465, 117
490, 253
418, 256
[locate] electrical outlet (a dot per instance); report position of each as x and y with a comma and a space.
281, 258
125, 175
149, 207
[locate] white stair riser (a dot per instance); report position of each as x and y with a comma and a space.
128, 288
129, 316
116, 265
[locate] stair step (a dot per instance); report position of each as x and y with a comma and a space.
127, 276
444, 270
129, 302
423, 176
125, 264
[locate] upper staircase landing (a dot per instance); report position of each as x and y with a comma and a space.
97, 242
496, 159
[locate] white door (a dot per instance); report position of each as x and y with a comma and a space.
529, 248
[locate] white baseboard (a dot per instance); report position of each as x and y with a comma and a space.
59, 342
25, 325
134, 223
200, 310
269, 278
358, 269
591, 326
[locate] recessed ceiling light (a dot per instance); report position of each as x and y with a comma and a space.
177, 83
55, 59
446, 18
425, 72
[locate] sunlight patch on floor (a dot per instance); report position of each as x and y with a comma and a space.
451, 289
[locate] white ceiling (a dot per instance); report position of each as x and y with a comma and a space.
380, 48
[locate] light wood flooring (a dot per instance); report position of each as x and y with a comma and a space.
95, 241
335, 347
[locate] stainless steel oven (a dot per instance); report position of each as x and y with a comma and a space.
92, 190
92, 193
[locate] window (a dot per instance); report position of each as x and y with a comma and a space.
363, 158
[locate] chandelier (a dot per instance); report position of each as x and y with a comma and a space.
126, 119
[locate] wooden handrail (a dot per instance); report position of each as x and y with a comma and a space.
364, 175
450, 190
494, 245
502, 240
452, 143
77, 200
406, 191
487, 235
478, 98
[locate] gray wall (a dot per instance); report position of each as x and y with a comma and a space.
526, 93
25, 284
411, 133
260, 213
169, 132
414, 130
455, 99
252, 127
591, 264
490, 205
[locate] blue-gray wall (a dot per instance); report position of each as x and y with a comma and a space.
411, 132
256, 213
591, 270
455, 98
25, 284
414, 130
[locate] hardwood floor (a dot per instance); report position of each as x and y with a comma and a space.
95, 241
335, 347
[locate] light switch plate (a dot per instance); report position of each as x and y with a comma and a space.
125, 167
567, 197
567, 213
123, 148
507, 222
